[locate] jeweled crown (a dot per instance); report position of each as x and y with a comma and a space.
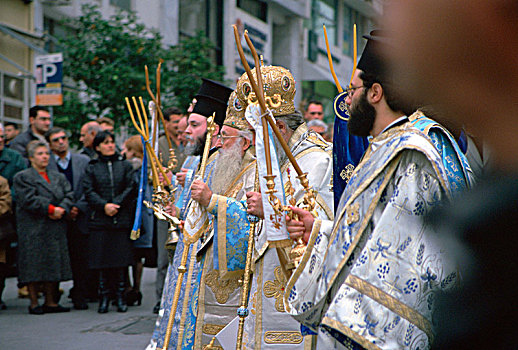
279, 89
236, 113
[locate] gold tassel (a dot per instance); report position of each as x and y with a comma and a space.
135, 234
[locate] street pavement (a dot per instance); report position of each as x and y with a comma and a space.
77, 330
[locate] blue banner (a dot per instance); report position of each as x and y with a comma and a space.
347, 149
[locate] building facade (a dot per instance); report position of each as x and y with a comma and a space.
284, 32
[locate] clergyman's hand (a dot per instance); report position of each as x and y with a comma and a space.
302, 227
161, 177
170, 209
201, 193
180, 176
254, 203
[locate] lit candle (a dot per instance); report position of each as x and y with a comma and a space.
355, 54
330, 59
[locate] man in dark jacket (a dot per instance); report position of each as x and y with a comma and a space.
11, 162
73, 166
88, 132
39, 118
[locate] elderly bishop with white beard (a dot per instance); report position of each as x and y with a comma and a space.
224, 252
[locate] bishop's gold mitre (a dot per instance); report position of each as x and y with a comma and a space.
236, 113
279, 89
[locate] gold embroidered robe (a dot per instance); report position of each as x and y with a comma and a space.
268, 326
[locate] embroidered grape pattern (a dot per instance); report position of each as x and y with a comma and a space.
293, 294
419, 208
383, 197
411, 169
312, 263
426, 181
383, 270
350, 261
345, 247
362, 260
306, 306
410, 286
394, 195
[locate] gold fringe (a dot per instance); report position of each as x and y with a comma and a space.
135, 234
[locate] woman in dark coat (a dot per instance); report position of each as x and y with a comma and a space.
110, 190
43, 199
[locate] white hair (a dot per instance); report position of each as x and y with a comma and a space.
246, 134
317, 123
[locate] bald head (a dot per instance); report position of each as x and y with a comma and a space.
88, 132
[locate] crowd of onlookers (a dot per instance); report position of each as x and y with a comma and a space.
68, 214
314, 116
56, 201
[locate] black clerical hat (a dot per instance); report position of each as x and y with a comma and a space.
212, 97
372, 60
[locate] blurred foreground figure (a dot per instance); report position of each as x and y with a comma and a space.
462, 57
455, 53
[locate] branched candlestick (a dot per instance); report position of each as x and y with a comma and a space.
173, 161
309, 198
161, 196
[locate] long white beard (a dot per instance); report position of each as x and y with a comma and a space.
228, 165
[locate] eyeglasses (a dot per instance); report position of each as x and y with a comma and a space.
350, 91
55, 139
223, 138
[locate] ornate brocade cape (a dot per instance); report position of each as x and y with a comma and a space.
268, 326
370, 279
458, 171
224, 257
212, 289
190, 282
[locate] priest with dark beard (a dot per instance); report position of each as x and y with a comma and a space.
211, 99
368, 280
